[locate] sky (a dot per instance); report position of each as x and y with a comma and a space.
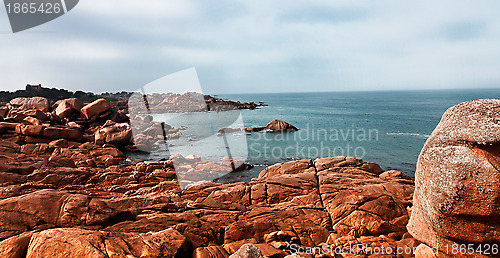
259, 46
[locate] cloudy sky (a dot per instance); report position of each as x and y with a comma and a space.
260, 45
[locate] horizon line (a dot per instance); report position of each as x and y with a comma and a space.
364, 90
282, 92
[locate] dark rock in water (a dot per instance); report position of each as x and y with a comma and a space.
227, 130
273, 126
235, 164
254, 129
279, 125
457, 181
218, 104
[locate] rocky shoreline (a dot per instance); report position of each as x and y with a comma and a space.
67, 190
207, 102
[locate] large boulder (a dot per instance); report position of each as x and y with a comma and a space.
69, 133
96, 108
64, 108
457, 184
279, 125
30, 130
37, 210
113, 133
38, 103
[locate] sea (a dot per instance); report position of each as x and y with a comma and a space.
385, 127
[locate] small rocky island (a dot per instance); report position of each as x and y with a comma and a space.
67, 190
273, 126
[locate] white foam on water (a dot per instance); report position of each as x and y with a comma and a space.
425, 136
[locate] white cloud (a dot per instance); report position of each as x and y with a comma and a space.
261, 46
139, 10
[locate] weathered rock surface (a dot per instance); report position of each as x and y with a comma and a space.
293, 167
279, 125
213, 251
458, 180
74, 242
341, 161
37, 210
295, 206
247, 251
254, 129
113, 133
96, 109
65, 108
16, 246
273, 126
38, 103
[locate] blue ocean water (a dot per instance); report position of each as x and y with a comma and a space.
385, 127
389, 127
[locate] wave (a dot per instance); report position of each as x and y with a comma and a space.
424, 136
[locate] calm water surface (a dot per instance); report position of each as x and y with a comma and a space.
388, 128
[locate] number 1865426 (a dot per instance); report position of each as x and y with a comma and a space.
33, 8
485, 249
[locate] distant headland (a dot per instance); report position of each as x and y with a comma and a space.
54, 94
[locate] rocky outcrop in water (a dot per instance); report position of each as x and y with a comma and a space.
457, 191
160, 103
273, 126
278, 125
